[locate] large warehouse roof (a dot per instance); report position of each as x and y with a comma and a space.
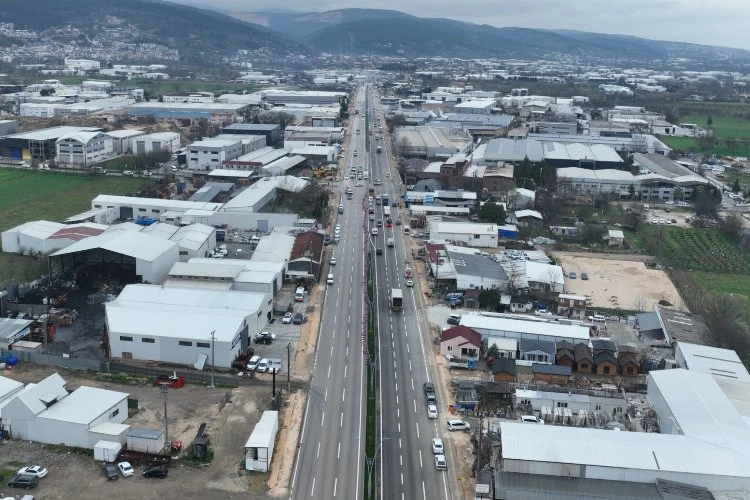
626, 450
176, 205
48, 134
133, 244
721, 363
542, 328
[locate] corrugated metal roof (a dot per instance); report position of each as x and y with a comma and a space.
83, 405
482, 322
538, 487
713, 361
627, 450
133, 244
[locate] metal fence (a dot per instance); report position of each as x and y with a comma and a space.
193, 377
60, 361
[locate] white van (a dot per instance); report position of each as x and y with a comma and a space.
330, 279
299, 295
252, 365
274, 365
531, 419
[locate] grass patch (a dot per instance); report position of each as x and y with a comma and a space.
723, 283
28, 196
724, 127
680, 143
702, 250
6, 474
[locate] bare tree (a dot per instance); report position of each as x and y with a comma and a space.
514, 274
552, 276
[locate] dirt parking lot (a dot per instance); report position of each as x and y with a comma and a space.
615, 283
229, 413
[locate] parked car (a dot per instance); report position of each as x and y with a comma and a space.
430, 398
332, 261
440, 463
110, 472
252, 364
159, 471
432, 411
298, 319
458, 425
454, 319
25, 481
262, 366
125, 469
428, 387
584, 276
573, 276
265, 338
287, 318
34, 470
437, 446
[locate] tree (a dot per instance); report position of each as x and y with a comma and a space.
731, 226
395, 121
709, 121
492, 212
678, 193
488, 299
513, 273
706, 200
635, 216
736, 186
631, 191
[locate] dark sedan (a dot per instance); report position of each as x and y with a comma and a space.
27, 481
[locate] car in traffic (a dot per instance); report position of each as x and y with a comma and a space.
379, 223
428, 387
432, 411
26, 481
440, 463
125, 469
332, 261
458, 425
34, 470
110, 472
287, 318
161, 471
409, 283
437, 446
265, 338
374, 231
298, 319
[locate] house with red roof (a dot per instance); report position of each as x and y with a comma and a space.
460, 342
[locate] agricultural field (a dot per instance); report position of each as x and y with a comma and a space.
705, 250
26, 196
735, 130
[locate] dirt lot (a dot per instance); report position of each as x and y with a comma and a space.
229, 413
613, 283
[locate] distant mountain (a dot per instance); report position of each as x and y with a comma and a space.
199, 35
388, 32
299, 26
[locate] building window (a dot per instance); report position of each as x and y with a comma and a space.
185, 343
450, 348
147, 340
560, 404
606, 370
204, 345
114, 413
598, 407
126, 339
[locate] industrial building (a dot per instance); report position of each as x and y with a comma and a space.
183, 325
721, 363
137, 256
158, 141
83, 148
46, 413
553, 153
270, 131
122, 140
431, 142
255, 160
32, 238
616, 183
472, 234
211, 153
39, 145
228, 274
469, 270
313, 97
187, 114
497, 326
256, 196
133, 208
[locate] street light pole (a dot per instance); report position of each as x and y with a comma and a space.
370, 463
213, 342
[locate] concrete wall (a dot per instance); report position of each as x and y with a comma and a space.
168, 349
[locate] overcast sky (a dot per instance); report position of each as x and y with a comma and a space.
716, 22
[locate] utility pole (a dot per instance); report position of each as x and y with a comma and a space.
213, 342
164, 393
288, 367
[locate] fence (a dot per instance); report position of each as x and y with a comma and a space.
60, 361
192, 377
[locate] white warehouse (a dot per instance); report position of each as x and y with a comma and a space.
474, 235
175, 325
159, 141
210, 154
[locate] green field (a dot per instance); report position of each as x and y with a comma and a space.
735, 130
724, 127
704, 250
28, 196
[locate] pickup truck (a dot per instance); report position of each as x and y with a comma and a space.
240, 362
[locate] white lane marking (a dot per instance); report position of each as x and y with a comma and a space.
343, 396
420, 459
402, 482
399, 443
415, 406
424, 493
317, 453
331, 351
399, 426
329, 371
312, 490
338, 452
417, 430
410, 366
401, 460
322, 419
341, 420
325, 396
335, 484
345, 367
412, 380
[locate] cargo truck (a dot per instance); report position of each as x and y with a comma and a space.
379, 149
391, 242
397, 299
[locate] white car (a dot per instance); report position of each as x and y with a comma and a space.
125, 469
252, 365
338, 228
431, 411
287, 318
410, 283
437, 446
346, 177
34, 470
262, 366
374, 231
440, 463
458, 425
332, 261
